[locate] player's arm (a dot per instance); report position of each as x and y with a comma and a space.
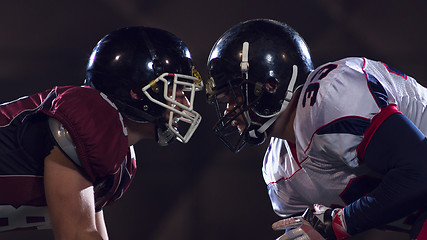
100, 224
398, 149
70, 200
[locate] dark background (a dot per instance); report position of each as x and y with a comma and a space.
199, 190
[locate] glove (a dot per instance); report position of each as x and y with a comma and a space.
297, 228
322, 223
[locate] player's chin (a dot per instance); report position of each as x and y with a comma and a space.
239, 125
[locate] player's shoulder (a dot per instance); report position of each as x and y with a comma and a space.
75, 101
332, 90
338, 69
335, 79
76, 94
81, 105
356, 65
96, 127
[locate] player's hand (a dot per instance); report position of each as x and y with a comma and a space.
313, 225
297, 228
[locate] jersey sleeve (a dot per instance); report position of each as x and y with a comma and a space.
282, 174
95, 126
112, 187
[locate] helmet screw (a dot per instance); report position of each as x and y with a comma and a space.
145, 107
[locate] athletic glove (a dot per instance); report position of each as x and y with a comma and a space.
322, 223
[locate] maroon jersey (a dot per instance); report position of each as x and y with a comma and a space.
97, 131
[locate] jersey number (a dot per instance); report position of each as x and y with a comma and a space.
312, 89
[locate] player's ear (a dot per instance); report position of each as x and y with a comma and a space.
137, 95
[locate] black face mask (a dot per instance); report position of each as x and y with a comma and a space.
229, 134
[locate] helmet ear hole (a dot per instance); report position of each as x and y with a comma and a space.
271, 84
134, 95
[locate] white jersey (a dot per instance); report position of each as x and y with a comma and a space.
336, 105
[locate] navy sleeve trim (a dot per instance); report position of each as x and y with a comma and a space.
352, 125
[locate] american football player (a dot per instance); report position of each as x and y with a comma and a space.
67, 152
348, 136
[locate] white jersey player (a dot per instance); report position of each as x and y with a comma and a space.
350, 136
338, 103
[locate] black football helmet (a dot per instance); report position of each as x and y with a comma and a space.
260, 63
136, 67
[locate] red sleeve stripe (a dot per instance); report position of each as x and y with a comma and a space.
376, 121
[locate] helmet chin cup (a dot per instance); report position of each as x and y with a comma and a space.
253, 136
164, 135
234, 139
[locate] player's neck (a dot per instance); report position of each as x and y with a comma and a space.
283, 127
139, 131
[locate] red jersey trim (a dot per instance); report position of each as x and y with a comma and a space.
293, 148
376, 122
423, 232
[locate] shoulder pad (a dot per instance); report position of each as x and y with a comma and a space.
64, 141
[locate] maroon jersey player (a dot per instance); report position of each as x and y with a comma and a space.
72, 145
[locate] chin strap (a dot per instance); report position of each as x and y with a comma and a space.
255, 134
288, 97
254, 137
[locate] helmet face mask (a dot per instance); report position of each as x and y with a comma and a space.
263, 62
237, 123
178, 111
144, 72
